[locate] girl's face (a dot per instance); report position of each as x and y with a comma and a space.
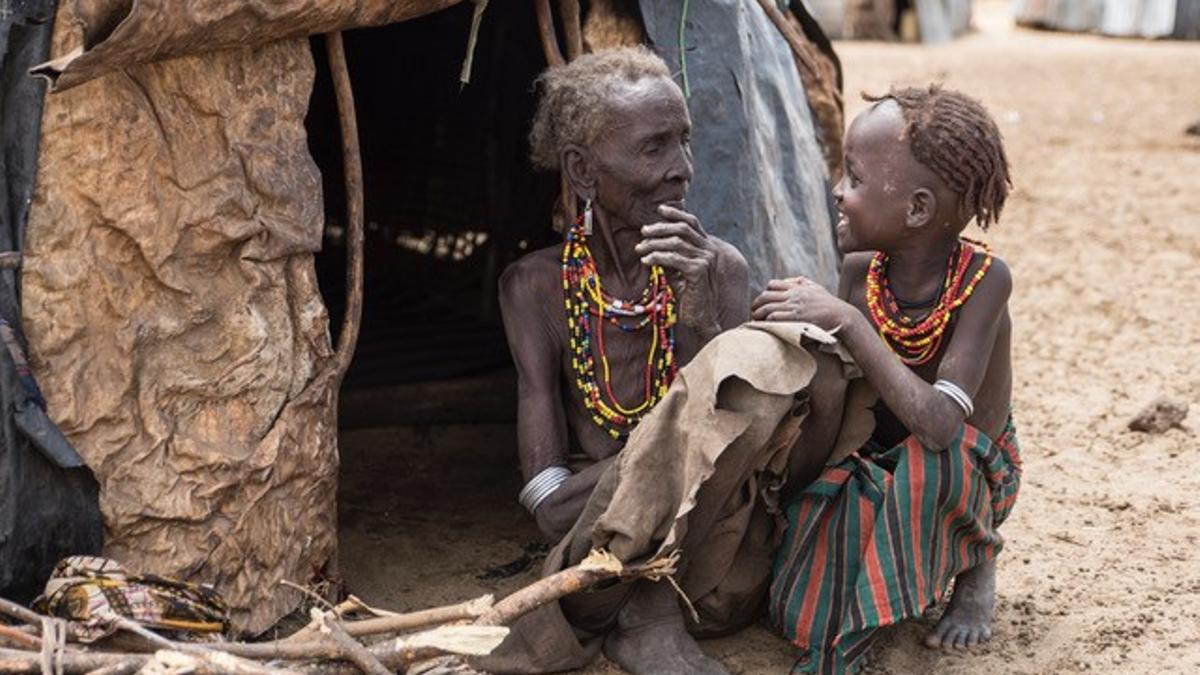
877, 181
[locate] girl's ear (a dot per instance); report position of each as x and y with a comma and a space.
922, 208
578, 165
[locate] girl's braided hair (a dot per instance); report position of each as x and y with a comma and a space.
955, 137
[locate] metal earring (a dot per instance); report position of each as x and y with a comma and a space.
587, 217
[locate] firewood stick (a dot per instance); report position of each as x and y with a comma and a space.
22, 614
127, 667
598, 566
353, 651
73, 662
338, 642
20, 637
237, 652
214, 663
472, 609
25, 615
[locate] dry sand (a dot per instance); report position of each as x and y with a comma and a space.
1100, 572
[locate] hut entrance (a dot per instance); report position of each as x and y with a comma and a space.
427, 410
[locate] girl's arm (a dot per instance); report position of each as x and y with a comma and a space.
933, 417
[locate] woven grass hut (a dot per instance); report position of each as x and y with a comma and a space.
180, 213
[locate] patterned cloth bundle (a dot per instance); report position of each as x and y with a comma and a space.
92, 592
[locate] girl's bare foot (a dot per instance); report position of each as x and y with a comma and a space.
968, 620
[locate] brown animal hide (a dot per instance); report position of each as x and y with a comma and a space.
174, 319
120, 33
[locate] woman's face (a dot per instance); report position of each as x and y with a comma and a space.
642, 157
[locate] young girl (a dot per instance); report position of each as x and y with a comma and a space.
878, 537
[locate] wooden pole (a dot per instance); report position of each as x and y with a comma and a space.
572, 27
352, 168
545, 21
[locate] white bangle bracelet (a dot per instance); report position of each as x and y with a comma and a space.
542, 485
956, 394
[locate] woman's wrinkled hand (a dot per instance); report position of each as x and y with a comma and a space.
800, 299
679, 245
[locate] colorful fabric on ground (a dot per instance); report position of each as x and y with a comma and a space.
878, 538
92, 592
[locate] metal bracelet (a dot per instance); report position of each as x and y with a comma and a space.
542, 485
955, 393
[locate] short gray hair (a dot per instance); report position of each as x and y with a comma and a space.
576, 97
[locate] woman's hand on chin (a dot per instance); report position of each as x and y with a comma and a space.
679, 245
801, 299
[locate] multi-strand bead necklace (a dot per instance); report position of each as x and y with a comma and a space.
589, 307
917, 341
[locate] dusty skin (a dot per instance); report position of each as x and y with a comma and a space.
1102, 233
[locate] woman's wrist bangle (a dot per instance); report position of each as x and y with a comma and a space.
542, 485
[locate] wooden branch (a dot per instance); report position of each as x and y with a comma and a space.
126, 667
331, 641
19, 661
351, 650
22, 614
549, 39
352, 168
598, 566
471, 609
572, 27
20, 637
10, 260
213, 663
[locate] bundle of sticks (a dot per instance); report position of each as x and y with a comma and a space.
426, 642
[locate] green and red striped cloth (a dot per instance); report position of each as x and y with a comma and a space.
878, 538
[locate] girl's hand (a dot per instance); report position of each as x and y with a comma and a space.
801, 299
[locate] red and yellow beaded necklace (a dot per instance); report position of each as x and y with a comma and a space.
584, 299
917, 341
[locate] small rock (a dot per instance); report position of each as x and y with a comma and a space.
1159, 416
1194, 130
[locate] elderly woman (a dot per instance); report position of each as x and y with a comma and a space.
599, 326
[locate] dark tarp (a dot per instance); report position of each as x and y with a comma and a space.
760, 180
48, 497
1187, 20
120, 33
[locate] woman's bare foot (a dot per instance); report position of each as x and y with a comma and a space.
650, 637
968, 620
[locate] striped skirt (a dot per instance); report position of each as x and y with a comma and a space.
878, 538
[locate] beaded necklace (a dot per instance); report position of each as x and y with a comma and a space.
917, 341
585, 299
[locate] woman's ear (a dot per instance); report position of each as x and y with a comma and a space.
922, 208
579, 168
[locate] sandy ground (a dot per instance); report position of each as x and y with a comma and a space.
1102, 232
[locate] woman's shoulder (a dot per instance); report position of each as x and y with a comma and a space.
533, 272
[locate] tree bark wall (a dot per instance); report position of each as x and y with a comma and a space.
174, 319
